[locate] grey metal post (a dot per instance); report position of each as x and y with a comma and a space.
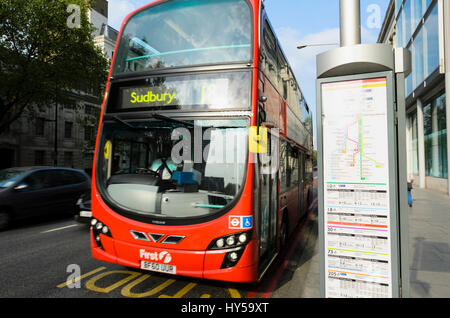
350, 22
402, 69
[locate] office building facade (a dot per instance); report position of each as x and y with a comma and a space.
419, 26
34, 140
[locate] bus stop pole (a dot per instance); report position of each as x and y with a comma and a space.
402, 69
350, 22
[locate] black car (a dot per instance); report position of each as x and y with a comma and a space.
84, 209
31, 191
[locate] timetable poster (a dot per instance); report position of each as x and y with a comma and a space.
356, 189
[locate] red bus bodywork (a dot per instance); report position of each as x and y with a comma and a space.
191, 256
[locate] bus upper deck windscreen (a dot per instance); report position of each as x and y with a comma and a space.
184, 33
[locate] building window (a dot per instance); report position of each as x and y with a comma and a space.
409, 85
89, 133
68, 159
407, 22
398, 5
89, 110
399, 28
431, 42
435, 134
414, 146
418, 57
39, 157
424, 46
92, 110
68, 129
417, 13
40, 126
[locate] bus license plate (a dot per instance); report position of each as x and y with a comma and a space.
157, 267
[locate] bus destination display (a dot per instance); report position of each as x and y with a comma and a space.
205, 91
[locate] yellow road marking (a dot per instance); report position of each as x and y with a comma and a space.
90, 284
126, 291
234, 293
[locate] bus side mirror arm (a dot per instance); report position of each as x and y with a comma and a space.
258, 135
261, 113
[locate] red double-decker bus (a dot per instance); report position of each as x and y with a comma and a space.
203, 162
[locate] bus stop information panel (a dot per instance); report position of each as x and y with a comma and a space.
357, 234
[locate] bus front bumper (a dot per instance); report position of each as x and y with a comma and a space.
199, 264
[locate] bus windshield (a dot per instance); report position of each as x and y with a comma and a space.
184, 33
172, 169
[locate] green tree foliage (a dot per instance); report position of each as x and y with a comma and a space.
46, 53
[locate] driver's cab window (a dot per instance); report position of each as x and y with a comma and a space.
156, 168
141, 157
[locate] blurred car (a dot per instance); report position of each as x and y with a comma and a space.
33, 191
84, 209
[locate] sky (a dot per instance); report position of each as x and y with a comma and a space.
296, 22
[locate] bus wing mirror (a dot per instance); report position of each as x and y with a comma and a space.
258, 139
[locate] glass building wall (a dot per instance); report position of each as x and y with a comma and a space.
417, 29
414, 149
435, 135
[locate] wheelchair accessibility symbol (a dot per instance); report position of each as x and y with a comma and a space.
240, 222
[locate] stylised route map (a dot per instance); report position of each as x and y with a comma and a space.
356, 194
353, 149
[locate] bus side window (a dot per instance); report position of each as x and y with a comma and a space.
270, 65
293, 165
283, 75
284, 173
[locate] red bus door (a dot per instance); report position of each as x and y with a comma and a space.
268, 180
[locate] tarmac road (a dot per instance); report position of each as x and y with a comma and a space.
39, 259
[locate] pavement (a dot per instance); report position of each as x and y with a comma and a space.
429, 239
429, 252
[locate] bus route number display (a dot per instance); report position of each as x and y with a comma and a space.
356, 189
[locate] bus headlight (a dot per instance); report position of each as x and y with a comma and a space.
98, 228
232, 257
220, 243
105, 230
230, 241
243, 238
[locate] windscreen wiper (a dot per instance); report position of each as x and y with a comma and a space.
123, 122
165, 118
162, 117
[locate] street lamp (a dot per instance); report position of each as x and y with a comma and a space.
302, 46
